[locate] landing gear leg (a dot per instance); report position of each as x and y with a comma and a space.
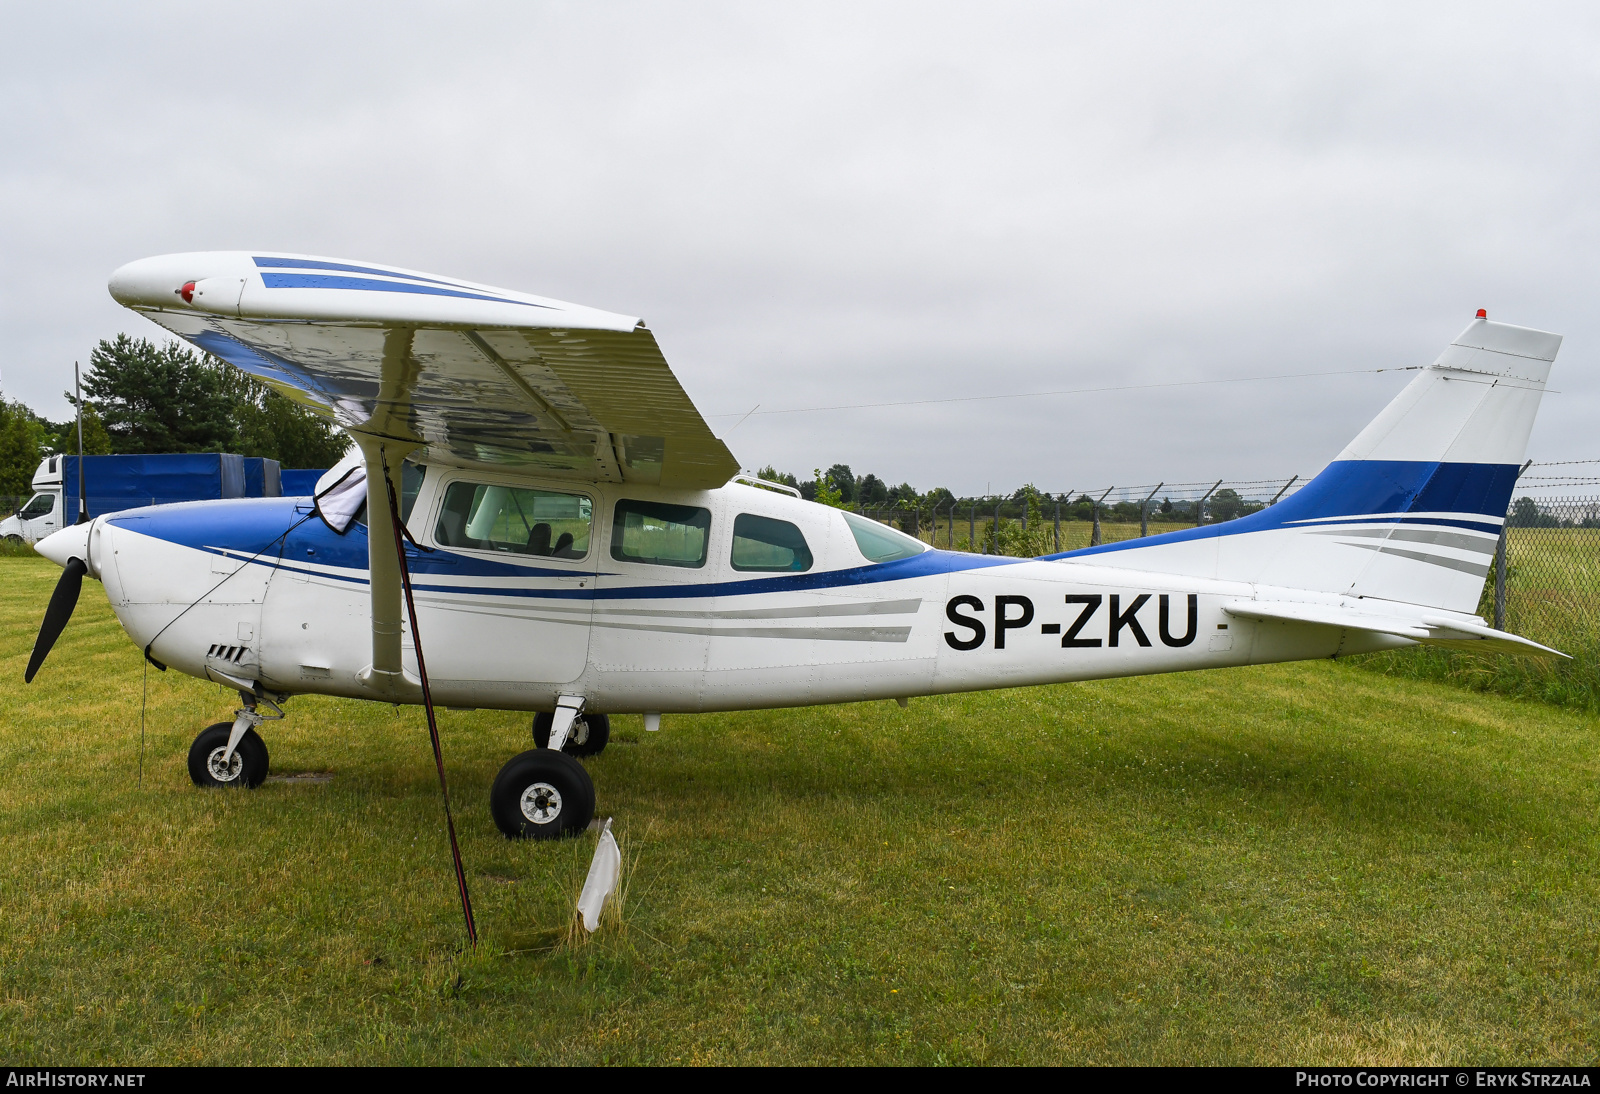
233, 753
587, 737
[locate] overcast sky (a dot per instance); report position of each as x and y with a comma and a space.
821, 205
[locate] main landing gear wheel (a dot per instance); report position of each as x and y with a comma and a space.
542, 794
587, 737
247, 767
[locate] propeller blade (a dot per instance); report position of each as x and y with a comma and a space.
62, 601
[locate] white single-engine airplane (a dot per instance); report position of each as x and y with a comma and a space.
580, 544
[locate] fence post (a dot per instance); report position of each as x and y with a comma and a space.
1500, 581
1094, 537
1200, 506
1144, 511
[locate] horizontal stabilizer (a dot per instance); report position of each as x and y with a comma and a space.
1432, 630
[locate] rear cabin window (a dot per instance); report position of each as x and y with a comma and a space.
881, 543
765, 545
666, 535
545, 523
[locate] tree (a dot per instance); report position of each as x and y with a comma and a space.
268, 424
1226, 504
158, 398
826, 492
96, 441
772, 474
171, 399
844, 481
872, 491
1527, 514
19, 449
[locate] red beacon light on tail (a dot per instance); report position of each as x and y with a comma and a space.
1483, 313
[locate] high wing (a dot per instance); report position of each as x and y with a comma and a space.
472, 374
467, 373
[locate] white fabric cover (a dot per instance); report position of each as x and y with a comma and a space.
341, 492
604, 870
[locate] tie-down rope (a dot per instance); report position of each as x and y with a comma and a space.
427, 702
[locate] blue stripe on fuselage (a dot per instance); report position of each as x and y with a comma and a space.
247, 527
1357, 491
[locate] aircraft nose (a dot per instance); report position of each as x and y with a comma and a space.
71, 542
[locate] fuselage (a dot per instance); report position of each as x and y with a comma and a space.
644, 599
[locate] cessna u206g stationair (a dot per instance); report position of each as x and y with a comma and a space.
579, 544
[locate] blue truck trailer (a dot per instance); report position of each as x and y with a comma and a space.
114, 483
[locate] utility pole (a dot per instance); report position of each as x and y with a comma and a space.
77, 395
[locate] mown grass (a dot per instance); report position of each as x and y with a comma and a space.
1298, 864
1552, 597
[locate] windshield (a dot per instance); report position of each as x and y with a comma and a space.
881, 543
38, 506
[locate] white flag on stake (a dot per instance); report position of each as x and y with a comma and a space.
604, 870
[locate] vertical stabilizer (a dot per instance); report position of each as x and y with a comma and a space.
1412, 508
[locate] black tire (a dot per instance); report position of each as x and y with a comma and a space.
542, 795
589, 735
249, 766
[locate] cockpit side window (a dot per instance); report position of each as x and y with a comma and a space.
486, 517
764, 545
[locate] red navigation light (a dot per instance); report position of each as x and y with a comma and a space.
1482, 313
187, 292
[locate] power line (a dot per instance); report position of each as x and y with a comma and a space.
1063, 391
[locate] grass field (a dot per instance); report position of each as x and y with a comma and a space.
1299, 864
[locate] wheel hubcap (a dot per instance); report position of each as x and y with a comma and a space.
541, 803
224, 772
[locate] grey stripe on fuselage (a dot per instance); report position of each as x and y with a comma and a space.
1474, 568
1481, 545
581, 616
821, 611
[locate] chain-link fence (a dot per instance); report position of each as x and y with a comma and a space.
1545, 584
1031, 522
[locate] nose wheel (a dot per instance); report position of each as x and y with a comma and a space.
211, 766
542, 794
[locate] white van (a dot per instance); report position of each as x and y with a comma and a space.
44, 512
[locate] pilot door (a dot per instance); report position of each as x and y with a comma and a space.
506, 595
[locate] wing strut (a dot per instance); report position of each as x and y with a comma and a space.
427, 699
